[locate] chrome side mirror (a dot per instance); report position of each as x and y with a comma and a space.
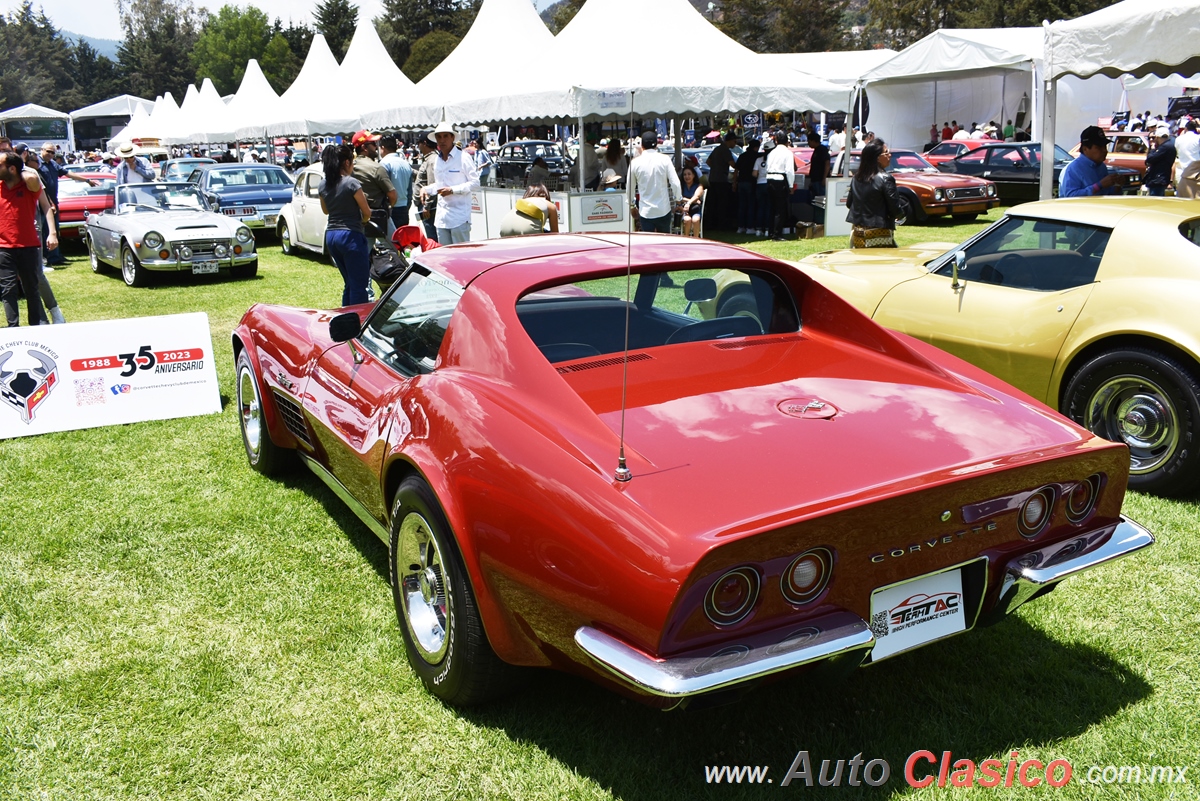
960, 263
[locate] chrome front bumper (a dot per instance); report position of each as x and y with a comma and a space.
175, 264
842, 636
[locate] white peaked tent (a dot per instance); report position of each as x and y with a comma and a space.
843, 67
157, 125
137, 128
368, 81
252, 105
197, 119
179, 127
499, 25
591, 72
304, 108
1135, 37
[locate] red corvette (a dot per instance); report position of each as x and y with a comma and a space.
795, 485
77, 200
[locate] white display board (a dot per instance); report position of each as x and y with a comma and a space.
599, 211
86, 375
836, 190
490, 204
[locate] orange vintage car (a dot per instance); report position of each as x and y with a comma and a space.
1125, 149
924, 192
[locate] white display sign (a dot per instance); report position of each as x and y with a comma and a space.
86, 375
916, 612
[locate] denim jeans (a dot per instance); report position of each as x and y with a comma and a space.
746, 209
352, 258
452, 236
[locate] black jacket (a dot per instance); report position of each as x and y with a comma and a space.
873, 204
1160, 165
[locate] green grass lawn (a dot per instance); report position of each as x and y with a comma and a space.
174, 626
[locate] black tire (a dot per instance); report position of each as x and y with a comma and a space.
98, 266
448, 648
1149, 401
285, 238
241, 271
263, 454
132, 271
907, 214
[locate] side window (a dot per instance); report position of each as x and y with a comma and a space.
976, 156
1041, 255
1007, 157
407, 326
1191, 231
314, 183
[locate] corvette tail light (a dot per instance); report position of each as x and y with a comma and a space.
1081, 499
1035, 512
807, 576
732, 596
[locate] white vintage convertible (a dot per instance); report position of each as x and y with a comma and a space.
167, 226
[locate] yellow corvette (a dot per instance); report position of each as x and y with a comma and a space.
1091, 305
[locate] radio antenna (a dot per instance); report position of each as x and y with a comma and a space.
623, 473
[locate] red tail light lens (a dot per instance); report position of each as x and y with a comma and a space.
732, 596
1081, 499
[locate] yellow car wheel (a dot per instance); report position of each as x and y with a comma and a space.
1150, 402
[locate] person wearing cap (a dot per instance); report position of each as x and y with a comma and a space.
454, 179
376, 184
1160, 163
1088, 175
1187, 153
531, 214
133, 169
655, 185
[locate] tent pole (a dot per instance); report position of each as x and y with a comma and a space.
1049, 99
582, 144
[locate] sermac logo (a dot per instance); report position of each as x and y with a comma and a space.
25, 383
921, 608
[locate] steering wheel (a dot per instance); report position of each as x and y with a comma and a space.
1014, 270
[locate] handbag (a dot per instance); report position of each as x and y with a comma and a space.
387, 265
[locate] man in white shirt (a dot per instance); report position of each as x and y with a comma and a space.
1187, 155
837, 141
132, 169
454, 179
781, 174
653, 181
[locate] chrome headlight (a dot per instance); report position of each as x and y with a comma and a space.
153, 240
939, 194
991, 190
185, 252
244, 235
221, 251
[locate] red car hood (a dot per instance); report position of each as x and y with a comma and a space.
804, 423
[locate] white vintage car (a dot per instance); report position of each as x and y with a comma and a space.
301, 222
167, 226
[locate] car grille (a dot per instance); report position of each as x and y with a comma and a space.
293, 418
965, 192
203, 247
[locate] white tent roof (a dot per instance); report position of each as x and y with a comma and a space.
136, 128
156, 124
952, 52
303, 108
499, 26
633, 74
844, 66
198, 114
247, 113
1138, 37
120, 106
33, 111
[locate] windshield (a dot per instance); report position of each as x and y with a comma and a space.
158, 197
80, 189
407, 327
223, 180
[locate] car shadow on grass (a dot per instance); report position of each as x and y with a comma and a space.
978, 696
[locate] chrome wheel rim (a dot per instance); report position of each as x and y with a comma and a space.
285, 238
249, 408
128, 266
1138, 412
92, 256
424, 589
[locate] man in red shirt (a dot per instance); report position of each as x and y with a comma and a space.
19, 242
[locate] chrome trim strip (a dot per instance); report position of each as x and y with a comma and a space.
1033, 572
338, 489
826, 637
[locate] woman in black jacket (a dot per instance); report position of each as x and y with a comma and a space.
872, 201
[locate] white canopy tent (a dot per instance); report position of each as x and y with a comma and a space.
370, 81
1134, 37
252, 105
198, 115
120, 106
137, 128
38, 124
304, 108
842, 66
633, 73
158, 124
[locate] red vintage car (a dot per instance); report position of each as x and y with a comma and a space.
78, 200
675, 495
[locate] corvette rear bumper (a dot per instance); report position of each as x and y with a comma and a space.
842, 635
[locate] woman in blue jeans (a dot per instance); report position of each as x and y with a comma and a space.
342, 199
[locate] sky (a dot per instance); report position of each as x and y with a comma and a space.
98, 18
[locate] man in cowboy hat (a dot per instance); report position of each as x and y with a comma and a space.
133, 169
454, 179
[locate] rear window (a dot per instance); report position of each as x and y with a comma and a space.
588, 318
1191, 231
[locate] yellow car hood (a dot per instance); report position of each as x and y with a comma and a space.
863, 277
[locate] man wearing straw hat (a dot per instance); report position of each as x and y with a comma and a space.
454, 179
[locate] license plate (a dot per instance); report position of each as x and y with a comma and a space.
204, 267
916, 612
270, 219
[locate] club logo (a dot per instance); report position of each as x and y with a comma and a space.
24, 384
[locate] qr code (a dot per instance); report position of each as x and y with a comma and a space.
879, 624
89, 391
